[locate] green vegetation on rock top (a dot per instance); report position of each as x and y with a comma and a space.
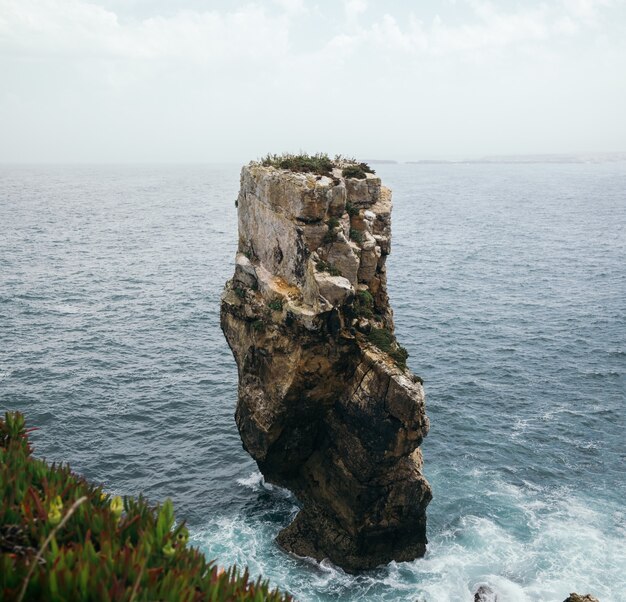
63, 538
319, 163
356, 171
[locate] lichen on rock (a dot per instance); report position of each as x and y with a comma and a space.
323, 410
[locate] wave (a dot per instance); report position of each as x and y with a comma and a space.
553, 544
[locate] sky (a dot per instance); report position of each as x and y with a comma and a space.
228, 81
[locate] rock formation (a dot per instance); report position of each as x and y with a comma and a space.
326, 405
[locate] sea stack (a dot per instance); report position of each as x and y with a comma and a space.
327, 406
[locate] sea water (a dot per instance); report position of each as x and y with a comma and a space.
508, 284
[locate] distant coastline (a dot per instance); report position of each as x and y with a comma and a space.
518, 159
382, 161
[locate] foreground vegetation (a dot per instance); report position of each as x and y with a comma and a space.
320, 164
386, 341
63, 538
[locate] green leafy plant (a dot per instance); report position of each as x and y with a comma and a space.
358, 171
356, 235
240, 292
320, 163
323, 266
332, 223
333, 271
364, 304
258, 325
382, 338
354, 172
63, 538
352, 210
399, 355
386, 341
275, 305
329, 237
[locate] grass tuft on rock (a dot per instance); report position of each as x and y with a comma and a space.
332, 223
63, 538
324, 266
364, 304
329, 237
386, 341
258, 325
356, 236
382, 338
319, 163
354, 171
352, 210
275, 305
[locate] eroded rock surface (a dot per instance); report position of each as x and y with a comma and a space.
324, 411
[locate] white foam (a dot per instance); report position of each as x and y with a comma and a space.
564, 547
254, 481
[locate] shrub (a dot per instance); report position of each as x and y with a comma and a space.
354, 171
386, 341
258, 325
329, 237
63, 538
352, 210
382, 338
333, 271
275, 304
320, 163
332, 223
356, 236
323, 266
364, 304
400, 355
240, 292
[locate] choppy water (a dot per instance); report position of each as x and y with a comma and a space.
509, 290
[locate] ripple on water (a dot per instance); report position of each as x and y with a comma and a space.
509, 290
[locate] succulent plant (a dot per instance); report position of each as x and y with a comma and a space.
63, 538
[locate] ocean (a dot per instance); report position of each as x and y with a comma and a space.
508, 284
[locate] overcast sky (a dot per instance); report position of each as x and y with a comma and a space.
194, 80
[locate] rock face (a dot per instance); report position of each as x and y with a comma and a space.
326, 405
573, 597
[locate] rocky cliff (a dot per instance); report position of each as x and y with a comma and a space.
326, 405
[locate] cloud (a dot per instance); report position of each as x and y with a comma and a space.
292, 6
353, 8
343, 76
489, 28
586, 11
80, 29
